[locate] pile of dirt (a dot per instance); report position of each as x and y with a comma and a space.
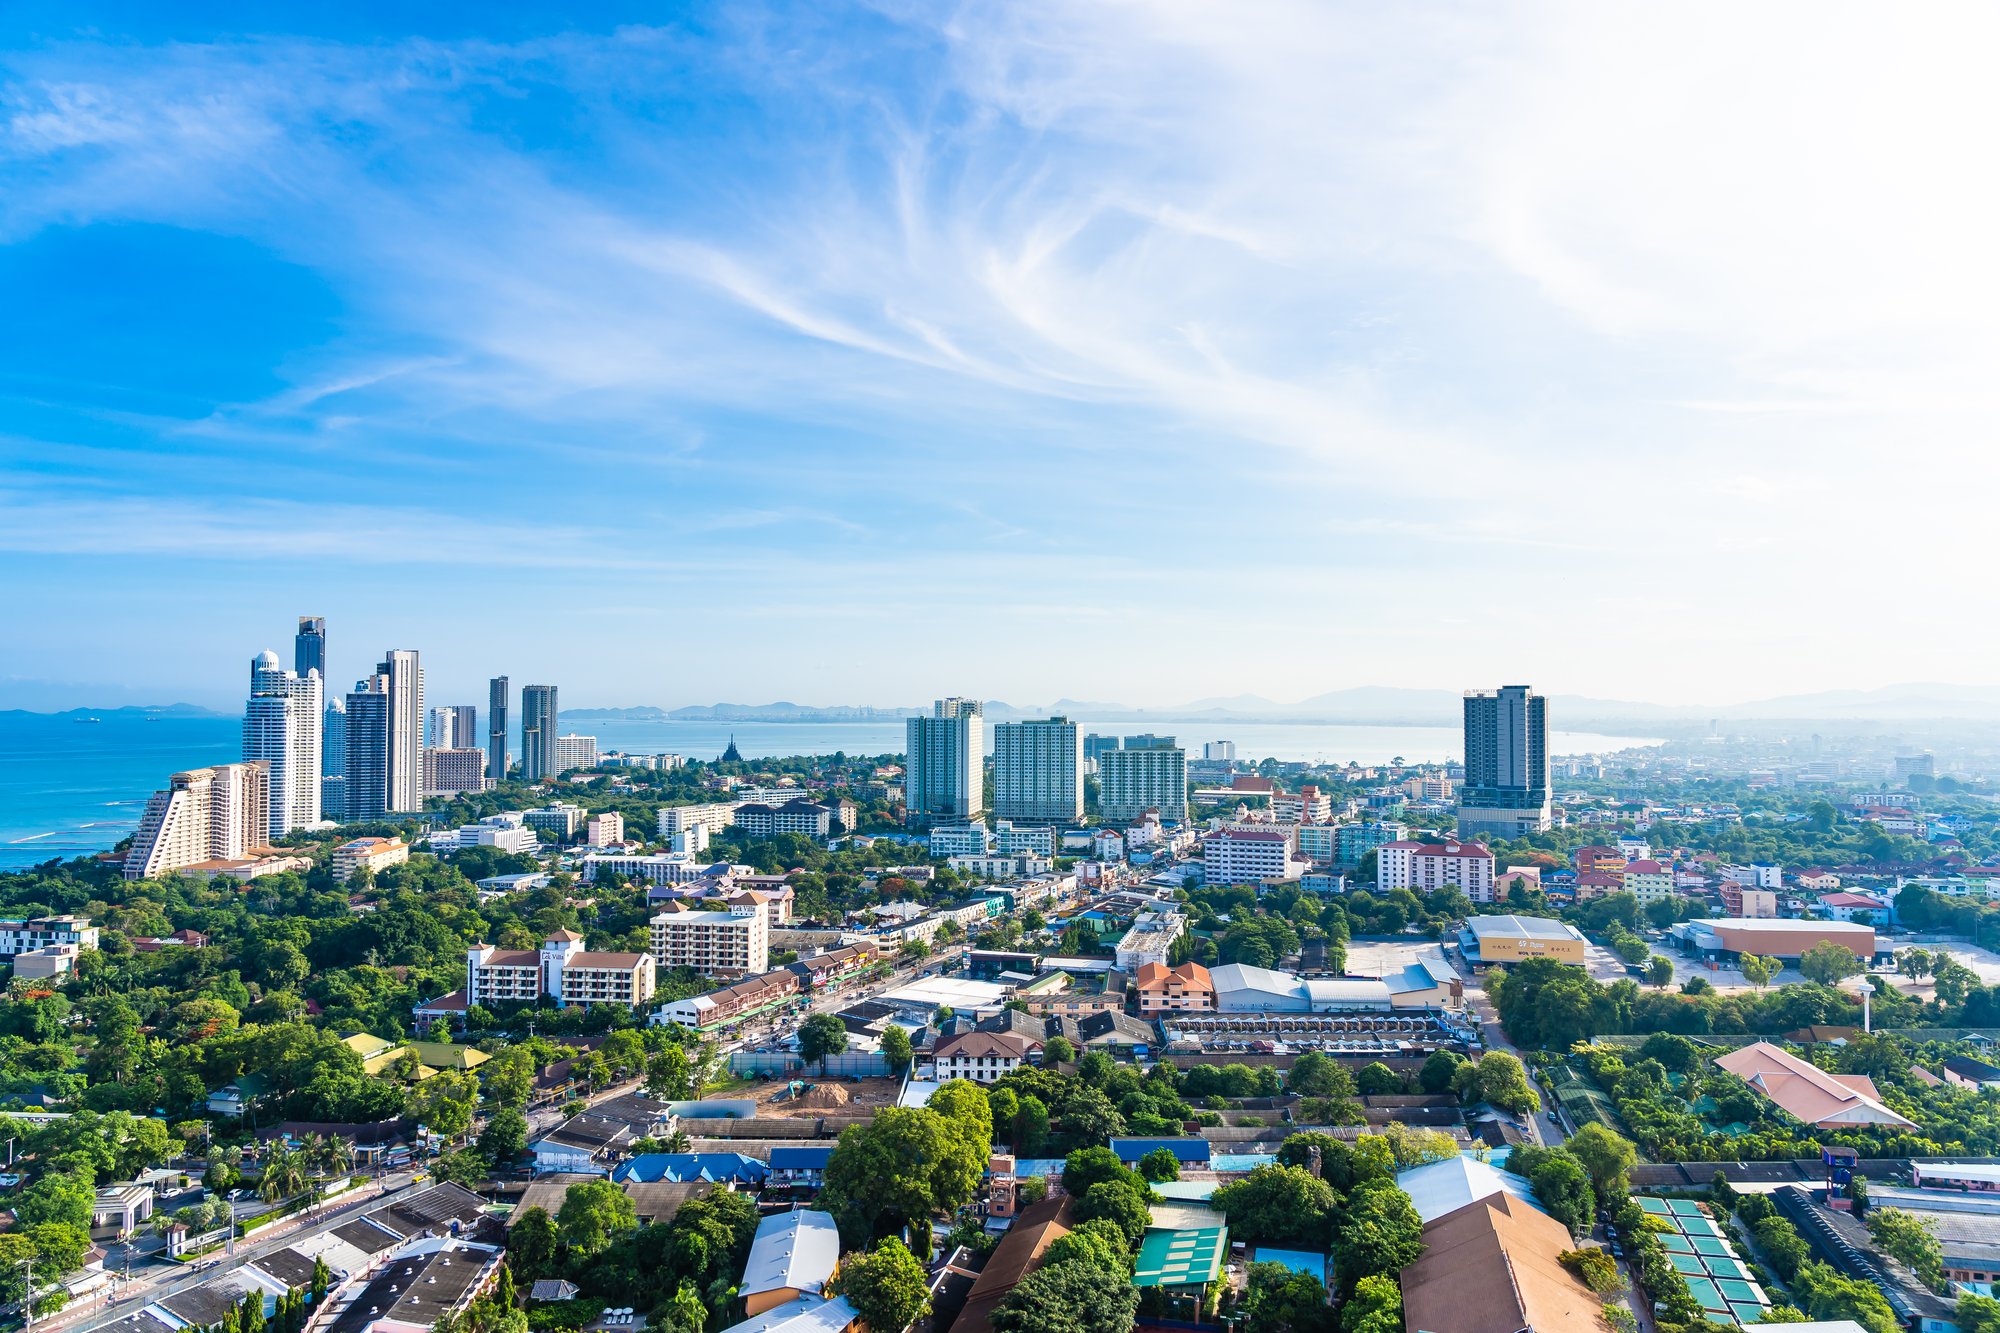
824, 1095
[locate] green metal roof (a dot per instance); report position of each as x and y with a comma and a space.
1181, 1258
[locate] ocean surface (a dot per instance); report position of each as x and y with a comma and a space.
70, 788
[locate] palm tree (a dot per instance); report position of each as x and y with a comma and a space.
284, 1176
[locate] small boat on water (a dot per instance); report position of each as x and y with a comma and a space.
86, 719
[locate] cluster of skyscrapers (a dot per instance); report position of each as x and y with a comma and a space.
375, 751
1038, 769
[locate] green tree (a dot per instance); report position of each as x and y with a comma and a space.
505, 1137
283, 1176
1595, 1268
1563, 1187
1826, 1294
593, 1214
905, 1166
1607, 1156
1781, 1244
821, 1037
1317, 1074
1278, 1205
1278, 1299
1439, 1067
1068, 1298
1759, 972
444, 1103
886, 1287
1101, 1244
1375, 1307
1377, 1232
1660, 970
1829, 964
896, 1048
531, 1244
1160, 1164
509, 1077
1057, 1051
1115, 1201
1911, 1239
1377, 1080
1978, 1314
1501, 1080
670, 1076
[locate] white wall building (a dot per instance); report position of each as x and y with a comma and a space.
575, 752
1038, 770
1151, 936
562, 970
735, 943
282, 724
1131, 782
1010, 838
1423, 866
1247, 856
961, 840
715, 816
604, 829
206, 814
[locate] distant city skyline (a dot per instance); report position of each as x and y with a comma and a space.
737, 360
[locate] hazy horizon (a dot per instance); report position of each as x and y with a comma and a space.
865, 353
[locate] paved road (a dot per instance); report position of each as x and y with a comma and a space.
158, 1281
1543, 1127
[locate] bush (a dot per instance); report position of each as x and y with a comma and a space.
1598, 1270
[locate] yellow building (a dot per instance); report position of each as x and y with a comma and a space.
1515, 939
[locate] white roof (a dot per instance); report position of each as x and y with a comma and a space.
1346, 990
807, 1314
1437, 1188
958, 992
1242, 976
1959, 1170
1529, 927
797, 1250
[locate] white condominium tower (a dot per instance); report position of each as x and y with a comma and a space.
947, 750
281, 730
1038, 770
1132, 781
454, 727
538, 732
206, 814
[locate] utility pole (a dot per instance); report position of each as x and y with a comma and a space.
28, 1298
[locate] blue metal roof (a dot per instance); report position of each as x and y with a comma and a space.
684, 1167
1186, 1150
806, 1157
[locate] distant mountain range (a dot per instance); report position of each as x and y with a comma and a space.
125, 710
1383, 705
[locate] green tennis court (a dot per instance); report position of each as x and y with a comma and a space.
1704, 1291
1677, 1244
1721, 1268
1746, 1314
1740, 1293
1688, 1265
1698, 1226
1684, 1208
1711, 1246
1657, 1207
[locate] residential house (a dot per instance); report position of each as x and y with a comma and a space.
1186, 988
983, 1057
794, 1254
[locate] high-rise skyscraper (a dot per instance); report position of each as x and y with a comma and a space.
1096, 747
538, 732
1506, 790
496, 728
455, 727
309, 648
1038, 770
281, 729
943, 776
1132, 781
365, 778
385, 739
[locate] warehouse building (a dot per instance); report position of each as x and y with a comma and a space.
1768, 937
1515, 939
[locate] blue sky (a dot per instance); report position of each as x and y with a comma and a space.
1137, 352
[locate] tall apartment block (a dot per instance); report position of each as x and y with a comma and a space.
1132, 781
497, 710
1038, 770
538, 732
455, 727
1506, 789
944, 776
385, 740
309, 646
282, 726
206, 814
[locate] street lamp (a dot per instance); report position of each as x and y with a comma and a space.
1866, 989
